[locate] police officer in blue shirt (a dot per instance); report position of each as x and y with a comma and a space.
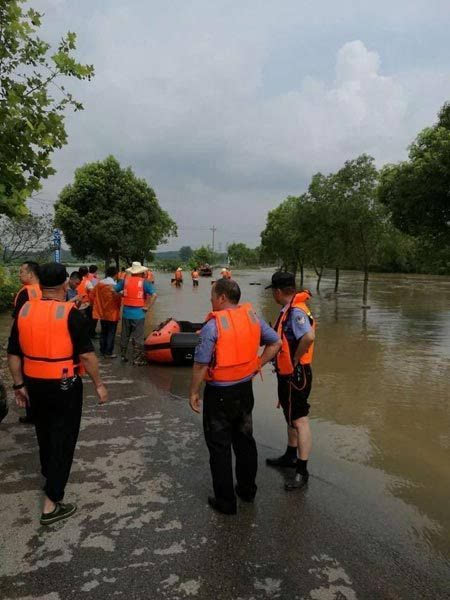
296, 327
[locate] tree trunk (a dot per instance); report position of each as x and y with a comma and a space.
117, 260
301, 275
336, 281
319, 276
365, 287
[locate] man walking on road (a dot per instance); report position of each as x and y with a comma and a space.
227, 358
106, 308
29, 277
296, 327
138, 296
49, 348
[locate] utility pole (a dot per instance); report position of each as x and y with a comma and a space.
213, 229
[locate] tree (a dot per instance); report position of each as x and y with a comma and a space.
31, 118
204, 255
185, 253
24, 238
110, 213
366, 223
240, 254
417, 191
279, 240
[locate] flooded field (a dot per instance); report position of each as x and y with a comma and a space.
380, 402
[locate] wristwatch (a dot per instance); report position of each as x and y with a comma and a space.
18, 386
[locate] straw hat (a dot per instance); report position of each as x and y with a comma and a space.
179, 269
136, 268
223, 271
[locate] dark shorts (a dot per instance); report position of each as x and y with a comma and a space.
294, 398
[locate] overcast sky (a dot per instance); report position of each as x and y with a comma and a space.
227, 107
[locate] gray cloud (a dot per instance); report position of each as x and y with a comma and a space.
226, 109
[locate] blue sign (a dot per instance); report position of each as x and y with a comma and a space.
57, 244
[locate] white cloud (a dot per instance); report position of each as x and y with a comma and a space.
182, 94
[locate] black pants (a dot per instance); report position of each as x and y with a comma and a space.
57, 416
107, 337
227, 422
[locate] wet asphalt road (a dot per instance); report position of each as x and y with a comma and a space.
143, 529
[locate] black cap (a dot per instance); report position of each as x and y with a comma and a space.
281, 280
52, 274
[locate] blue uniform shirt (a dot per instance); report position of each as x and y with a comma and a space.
208, 338
296, 325
135, 312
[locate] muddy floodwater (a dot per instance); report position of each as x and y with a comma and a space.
380, 405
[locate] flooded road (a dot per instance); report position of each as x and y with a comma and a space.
380, 479
380, 405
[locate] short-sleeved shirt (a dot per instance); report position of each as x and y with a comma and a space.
79, 334
297, 325
208, 337
135, 312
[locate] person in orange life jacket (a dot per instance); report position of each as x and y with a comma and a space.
29, 277
30, 290
122, 273
74, 282
90, 287
226, 273
178, 277
150, 277
138, 296
48, 348
106, 307
195, 277
296, 327
83, 295
227, 358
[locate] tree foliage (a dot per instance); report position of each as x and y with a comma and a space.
241, 255
25, 238
185, 253
32, 103
203, 255
417, 191
108, 212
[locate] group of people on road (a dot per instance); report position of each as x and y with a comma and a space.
50, 348
227, 359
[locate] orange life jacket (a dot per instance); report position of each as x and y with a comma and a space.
82, 290
283, 360
178, 276
238, 340
106, 303
227, 275
133, 292
92, 276
150, 276
34, 292
195, 274
45, 339
121, 275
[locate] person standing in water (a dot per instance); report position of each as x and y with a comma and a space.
296, 327
195, 277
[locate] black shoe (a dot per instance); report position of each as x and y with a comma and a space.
124, 358
244, 497
299, 482
215, 504
282, 461
28, 420
62, 511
